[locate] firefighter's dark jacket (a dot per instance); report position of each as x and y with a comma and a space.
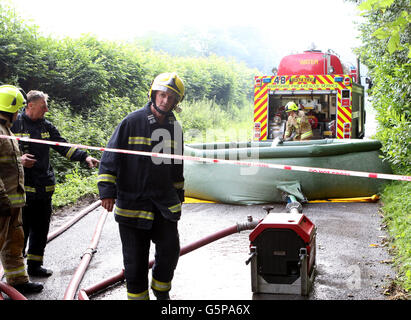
141, 182
39, 181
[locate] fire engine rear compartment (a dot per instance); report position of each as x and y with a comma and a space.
320, 108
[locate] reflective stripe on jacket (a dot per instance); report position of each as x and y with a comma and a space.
11, 169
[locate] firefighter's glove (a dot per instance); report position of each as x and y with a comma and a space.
5, 206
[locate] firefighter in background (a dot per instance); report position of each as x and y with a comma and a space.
12, 196
39, 176
298, 127
147, 192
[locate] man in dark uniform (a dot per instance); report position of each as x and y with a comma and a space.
39, 180
147, 192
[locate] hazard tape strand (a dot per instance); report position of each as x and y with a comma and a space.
222, 161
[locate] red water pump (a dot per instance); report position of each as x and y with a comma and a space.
282, 249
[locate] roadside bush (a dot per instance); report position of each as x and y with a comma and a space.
396, 199
73, 188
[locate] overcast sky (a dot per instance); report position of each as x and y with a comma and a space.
293, 24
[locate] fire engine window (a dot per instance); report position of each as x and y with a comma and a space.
345, 94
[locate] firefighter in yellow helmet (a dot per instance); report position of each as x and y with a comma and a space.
12, 195
147, 192
298, 127
167, 83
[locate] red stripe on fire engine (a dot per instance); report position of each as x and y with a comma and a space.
260, 111
345, 112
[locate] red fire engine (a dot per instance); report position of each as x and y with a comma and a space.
332, 97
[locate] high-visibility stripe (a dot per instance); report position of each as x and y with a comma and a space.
139, 140
260, 108
178, 185
17, 198
106, 178
7, 160
29, 189
306, 134
34, 257
70, 152
16, 272
142, 214
34, 190
50, 188
160, 286
176, 208
22, 135
138, 296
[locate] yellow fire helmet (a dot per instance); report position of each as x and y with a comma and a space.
291, 106
11, 98
168, 81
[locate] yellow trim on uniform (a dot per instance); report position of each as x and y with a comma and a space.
176, 208
106, 178
16, 272
34, 257
70, 152
17, 198
29, 189
138, 296
50, 188
142, 214
178, 185
139, 140
160, 286
7, 159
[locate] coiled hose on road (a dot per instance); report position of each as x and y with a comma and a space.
249, 225
13, 293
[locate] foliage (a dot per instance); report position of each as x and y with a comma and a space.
73, 188
92, 129
386, 35
206, 121
397, 214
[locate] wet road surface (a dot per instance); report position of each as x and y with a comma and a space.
352, 262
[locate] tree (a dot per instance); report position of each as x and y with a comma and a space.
386, 35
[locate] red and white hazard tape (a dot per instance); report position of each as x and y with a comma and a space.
222, 161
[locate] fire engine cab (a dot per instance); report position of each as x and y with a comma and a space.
330, 95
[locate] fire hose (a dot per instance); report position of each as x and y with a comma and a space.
249, 225
10, 291
85, 259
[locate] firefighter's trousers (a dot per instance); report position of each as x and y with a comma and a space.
11, 245
36, 223
136, 247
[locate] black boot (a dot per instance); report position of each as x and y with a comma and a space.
36, 270
28, 287
161, 295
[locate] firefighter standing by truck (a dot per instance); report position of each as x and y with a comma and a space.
297, 127
12, 196
148, 192
39, 176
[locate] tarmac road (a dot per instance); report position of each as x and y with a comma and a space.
352, 262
